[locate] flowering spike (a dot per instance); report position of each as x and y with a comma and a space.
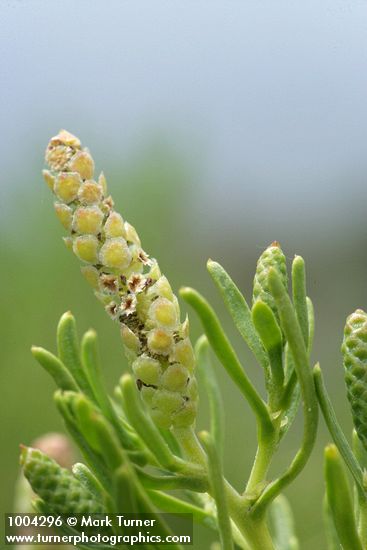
59, 489
272, 257
127, 282
354, 351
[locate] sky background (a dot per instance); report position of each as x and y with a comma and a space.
221, 126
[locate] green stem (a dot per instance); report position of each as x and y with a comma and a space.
190, 445
254, 529
265, 451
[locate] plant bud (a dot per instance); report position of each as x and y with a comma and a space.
87, 220
175, 378
65, 138
147, 370
90, 193
160, 341
163, 313
184, 354
57, 157
86, 248
162, 288
114, 226
186, 416
166, 401
115, 253
67, 186
82, 163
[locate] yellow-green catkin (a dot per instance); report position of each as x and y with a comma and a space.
272, 257
128, 283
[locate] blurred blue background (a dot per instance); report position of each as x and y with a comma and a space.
220, 126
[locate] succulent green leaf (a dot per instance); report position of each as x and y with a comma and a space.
55, 368
239, 310
144, 426
226, 354
68, 350
339, 499
332, 538
299, 295
207, 374
271, 336
218, 491
91, 363
282, 524
335, 429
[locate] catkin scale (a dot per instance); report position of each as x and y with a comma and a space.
354, 349
126, 281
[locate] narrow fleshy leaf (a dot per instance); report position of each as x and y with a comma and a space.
299, 295
335, 430
271, 336
143, 424
219, 493
216, 407
282, 524
332, 538
339, 499
55, 368
68, 350
226, 354
239, 310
